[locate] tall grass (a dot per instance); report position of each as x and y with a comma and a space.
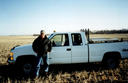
93, 72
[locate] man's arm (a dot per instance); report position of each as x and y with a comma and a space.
35, 46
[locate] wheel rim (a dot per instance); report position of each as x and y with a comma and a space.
111, 63
27, 68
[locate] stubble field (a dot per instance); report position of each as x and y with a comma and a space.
93, 72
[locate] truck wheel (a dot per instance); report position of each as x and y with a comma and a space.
112, 62
25, 65
27, 68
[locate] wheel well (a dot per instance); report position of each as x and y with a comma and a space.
116, 55
25, 58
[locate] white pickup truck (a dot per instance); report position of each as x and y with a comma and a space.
69, 48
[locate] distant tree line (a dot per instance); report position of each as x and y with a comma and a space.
39, 34
36, 34
124, 31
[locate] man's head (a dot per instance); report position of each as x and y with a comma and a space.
42, 33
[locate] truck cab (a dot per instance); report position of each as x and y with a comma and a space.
68, 48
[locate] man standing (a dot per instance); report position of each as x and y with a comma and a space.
41, 46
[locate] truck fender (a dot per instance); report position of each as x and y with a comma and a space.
24, 58
111, 59
113, 54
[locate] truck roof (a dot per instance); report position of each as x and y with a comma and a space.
67, 32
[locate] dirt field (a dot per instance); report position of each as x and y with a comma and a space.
62, 73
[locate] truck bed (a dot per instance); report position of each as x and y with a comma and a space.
107, 40
97, 50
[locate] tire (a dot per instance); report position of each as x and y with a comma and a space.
25, 69
112, 62
25, 65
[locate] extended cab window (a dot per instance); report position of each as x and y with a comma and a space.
76, 39
60, 40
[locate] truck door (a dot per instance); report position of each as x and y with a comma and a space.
61, 49
79, 49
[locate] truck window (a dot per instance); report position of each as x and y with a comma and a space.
60, 40
76, 39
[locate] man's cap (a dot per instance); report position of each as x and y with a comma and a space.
42, 31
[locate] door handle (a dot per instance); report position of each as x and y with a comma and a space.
49, 58
68, 49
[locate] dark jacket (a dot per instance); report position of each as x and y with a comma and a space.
41, 46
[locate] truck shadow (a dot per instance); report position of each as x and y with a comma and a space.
8, 71
70, 68
77, 67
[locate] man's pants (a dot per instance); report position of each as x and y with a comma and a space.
38, 63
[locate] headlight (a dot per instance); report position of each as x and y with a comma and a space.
11, 53
11, 56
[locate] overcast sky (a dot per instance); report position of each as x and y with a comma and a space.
30, 16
